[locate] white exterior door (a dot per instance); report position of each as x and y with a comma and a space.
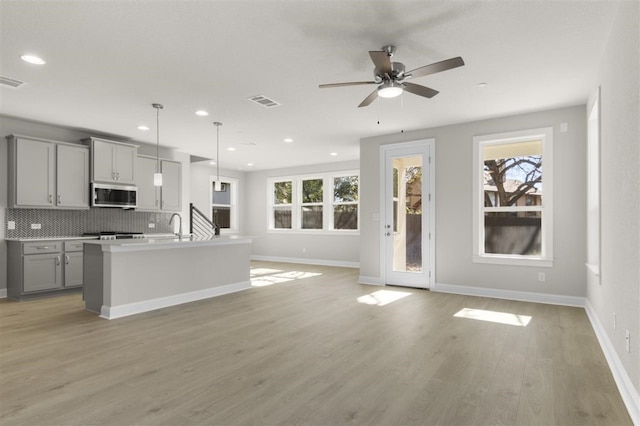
407, 215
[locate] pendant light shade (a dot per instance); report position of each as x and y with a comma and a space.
217, 186
157, 176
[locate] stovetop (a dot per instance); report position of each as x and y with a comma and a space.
114, 235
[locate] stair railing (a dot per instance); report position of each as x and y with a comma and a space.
200, 225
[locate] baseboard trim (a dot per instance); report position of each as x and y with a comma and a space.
523, 296
3, 293
304, 261
370, 280
113, 312
629, 394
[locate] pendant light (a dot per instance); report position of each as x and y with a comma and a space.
217, 186
157, 176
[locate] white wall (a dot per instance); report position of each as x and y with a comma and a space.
619, 289
454, 208
324, 249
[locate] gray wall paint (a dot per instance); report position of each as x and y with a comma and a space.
327, 248
619, 290
453, 198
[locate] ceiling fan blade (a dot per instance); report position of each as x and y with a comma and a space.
367, 101
382, 61
416, 89
437, 67
352, 83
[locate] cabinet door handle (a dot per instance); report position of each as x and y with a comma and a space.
66, 259
164, 203
50, 198
118, 174
57, 260
156, 203
59, 199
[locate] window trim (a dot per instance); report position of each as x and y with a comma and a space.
297, 204
479, 142
233, 214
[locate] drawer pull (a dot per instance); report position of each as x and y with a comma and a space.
42, 248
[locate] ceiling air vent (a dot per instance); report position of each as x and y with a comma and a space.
265, 102
10, 82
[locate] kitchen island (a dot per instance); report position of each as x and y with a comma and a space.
126, 277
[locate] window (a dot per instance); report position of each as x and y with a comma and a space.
593, 189
345, 202
282, 200
513, 181
223, 204
311, 204
314, 203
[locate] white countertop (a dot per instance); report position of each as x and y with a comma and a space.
51, 239
164, 243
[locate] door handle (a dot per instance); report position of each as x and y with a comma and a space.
388, 234
66, 259
57, 260
59, 199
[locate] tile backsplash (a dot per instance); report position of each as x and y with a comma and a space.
74, 223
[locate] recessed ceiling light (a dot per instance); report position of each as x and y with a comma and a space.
144, 128
288, 140
32, 59
481, 85
213, 163
231, 148
202, 113
249, 164
333, 154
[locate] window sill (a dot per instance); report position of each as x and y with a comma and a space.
514, 260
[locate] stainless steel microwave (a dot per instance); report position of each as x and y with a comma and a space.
106, 195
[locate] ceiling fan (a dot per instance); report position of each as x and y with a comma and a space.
391, 76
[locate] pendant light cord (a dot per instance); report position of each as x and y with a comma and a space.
217, 124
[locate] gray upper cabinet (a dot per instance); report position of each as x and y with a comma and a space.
171, 193
72, 167
168, 197
47, 174
112, 162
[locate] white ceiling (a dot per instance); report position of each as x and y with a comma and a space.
108, 61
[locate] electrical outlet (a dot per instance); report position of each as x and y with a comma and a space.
152, 225
627, 340
36, 226
11, 224
541, 276
615, 321
304, 249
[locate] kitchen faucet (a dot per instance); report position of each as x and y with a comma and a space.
179, 233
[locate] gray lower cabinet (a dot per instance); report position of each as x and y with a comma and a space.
36, 268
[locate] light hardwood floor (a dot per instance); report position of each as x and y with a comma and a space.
304, 351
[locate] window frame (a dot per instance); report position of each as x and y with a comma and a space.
297, 204
233, 207
545, 259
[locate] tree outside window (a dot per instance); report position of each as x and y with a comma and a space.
312, 194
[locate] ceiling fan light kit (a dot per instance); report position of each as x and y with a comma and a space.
390, 89
390, 76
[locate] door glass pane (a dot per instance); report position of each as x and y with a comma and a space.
407, 215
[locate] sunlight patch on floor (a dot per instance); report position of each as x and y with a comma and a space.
382, 297
263, 277
493, 316
263, 271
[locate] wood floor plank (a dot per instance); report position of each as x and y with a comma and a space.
303, 350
